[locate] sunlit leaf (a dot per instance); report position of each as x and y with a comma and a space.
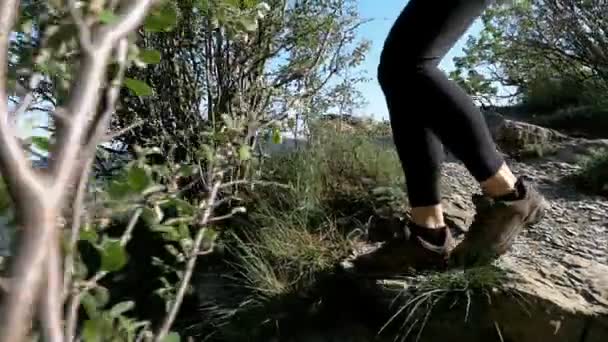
113, 255
89, 303
89, 235
244, 153
277, 138
121, 308
118, 190
91, 331
138, 87
162, 19
139, 179
172, 337
150, 56
101, 295
42, 143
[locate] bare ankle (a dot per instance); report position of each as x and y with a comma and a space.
428, 216
502, 183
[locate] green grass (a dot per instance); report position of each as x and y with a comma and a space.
298, 232
448, 289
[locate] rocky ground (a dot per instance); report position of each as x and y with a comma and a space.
560, 265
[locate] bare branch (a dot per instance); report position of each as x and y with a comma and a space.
77, 209
194, 253
118, 133
84, 32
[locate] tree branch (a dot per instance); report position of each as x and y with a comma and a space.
194, 253
52, 307
38, 198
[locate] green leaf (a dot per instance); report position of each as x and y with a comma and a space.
97, 329
161, 20
107, 17
277, 138
138, 178
152, 216
91, 331
183, 207
184, 232
209, 237
244, 152
187, 170
89, 303
172, 337
113, 255
138, 87
89, 235
159, 228
118, 190
150, 56
42, 143
121, 308
101, 295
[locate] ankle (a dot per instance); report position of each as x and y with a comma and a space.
428, 216
500, 184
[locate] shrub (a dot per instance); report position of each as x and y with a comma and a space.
593, 177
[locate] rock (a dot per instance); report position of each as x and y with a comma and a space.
557, 287
514, 137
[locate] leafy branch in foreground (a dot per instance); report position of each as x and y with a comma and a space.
96, 41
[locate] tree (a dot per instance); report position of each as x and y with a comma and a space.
534, 43
226, 66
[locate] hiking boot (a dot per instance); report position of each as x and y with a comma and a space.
419, 249
497, 223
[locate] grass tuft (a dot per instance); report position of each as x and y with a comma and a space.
426, 292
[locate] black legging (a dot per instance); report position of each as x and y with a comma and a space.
425, 107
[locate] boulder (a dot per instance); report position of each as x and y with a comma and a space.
514, 137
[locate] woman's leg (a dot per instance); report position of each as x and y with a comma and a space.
425, 107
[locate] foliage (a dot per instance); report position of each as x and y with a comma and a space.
203, 79
48, 59
593, 176
254, 62
549, 52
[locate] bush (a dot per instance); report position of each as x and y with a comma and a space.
588, 121
545, 95
593, 177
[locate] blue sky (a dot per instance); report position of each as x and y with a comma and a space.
383, 17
